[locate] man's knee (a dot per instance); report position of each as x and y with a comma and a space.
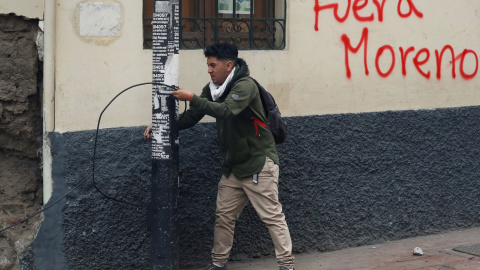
225, 220
272, 217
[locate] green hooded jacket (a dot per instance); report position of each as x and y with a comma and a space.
243, 152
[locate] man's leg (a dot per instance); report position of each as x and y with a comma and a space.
231, 199
264, 198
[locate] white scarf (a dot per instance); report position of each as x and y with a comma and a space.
217, 90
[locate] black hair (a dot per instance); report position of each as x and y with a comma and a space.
222, 51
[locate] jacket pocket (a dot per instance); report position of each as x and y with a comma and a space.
238, 153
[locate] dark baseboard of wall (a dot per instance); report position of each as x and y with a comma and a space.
345, 180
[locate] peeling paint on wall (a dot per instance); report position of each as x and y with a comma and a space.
40, 41
99, 19
20, 137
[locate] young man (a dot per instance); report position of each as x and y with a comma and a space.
250, 169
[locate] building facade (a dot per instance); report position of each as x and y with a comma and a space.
381, 100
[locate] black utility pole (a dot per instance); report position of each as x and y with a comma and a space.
162, 212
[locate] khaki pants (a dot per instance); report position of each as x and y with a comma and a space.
233, 195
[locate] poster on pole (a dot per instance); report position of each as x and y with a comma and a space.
241, 6
165, 47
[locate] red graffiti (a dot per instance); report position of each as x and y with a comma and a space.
461, 57
356, 8
462, 72
405, 9
348, 47
380, 9
358, 5
319, 8
411, 7
439, 60
418, 63
404, 58
379, 53
421, 58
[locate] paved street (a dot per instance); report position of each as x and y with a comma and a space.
398, 255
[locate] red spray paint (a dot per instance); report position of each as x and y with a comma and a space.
421, 57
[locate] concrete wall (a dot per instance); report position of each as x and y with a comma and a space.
345, 180
20, 137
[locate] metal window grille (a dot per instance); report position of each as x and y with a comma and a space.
249, 24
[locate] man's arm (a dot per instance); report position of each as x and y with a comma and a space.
240, 96
187, 119
192, 116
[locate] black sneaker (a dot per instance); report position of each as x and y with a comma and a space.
285, 268
214, 267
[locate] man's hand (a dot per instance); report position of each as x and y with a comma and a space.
182, 94
147, 135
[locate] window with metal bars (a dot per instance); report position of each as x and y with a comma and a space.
249, 24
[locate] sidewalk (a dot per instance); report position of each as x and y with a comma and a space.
438, 254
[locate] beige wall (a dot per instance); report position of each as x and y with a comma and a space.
308, 78
27, 8
318, 58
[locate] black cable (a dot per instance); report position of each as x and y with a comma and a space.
94, 157
59, 199
96, 136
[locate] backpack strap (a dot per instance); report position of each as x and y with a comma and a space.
248, 114
257, 122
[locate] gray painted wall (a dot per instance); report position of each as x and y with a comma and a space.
345, 180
